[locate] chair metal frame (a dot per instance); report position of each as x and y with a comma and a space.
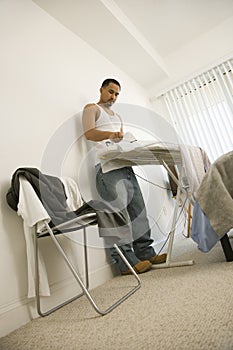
81, 223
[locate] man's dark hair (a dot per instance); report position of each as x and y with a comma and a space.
106, 82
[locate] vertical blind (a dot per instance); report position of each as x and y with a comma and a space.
202, 110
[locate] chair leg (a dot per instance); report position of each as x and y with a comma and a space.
226, 246
80, 282
37, 281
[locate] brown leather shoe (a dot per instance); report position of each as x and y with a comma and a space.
158, 259
140, 267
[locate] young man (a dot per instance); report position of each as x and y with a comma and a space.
119, 187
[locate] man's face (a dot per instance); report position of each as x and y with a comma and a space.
109, 94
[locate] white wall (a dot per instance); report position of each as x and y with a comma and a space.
47, 75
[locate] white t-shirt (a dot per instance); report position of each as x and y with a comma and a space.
105, 122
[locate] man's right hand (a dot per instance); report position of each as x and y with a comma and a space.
116, 136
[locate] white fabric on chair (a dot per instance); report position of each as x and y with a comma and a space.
33, 213
74, 199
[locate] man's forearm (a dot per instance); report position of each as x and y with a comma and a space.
99, 135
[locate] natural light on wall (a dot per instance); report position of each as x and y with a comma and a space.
202, 110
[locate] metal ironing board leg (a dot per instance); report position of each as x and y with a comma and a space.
168, 262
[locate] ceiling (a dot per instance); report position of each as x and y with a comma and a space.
139, 35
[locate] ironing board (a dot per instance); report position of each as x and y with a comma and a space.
146, 153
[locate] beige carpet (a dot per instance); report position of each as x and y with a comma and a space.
188, 308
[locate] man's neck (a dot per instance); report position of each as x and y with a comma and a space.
106, 107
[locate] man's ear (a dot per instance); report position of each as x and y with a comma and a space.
101, 89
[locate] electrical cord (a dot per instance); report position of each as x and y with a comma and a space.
167, 235
168, 189
152, 183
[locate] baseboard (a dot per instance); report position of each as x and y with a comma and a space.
13, 316
22, 311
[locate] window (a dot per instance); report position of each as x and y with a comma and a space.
202, 110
